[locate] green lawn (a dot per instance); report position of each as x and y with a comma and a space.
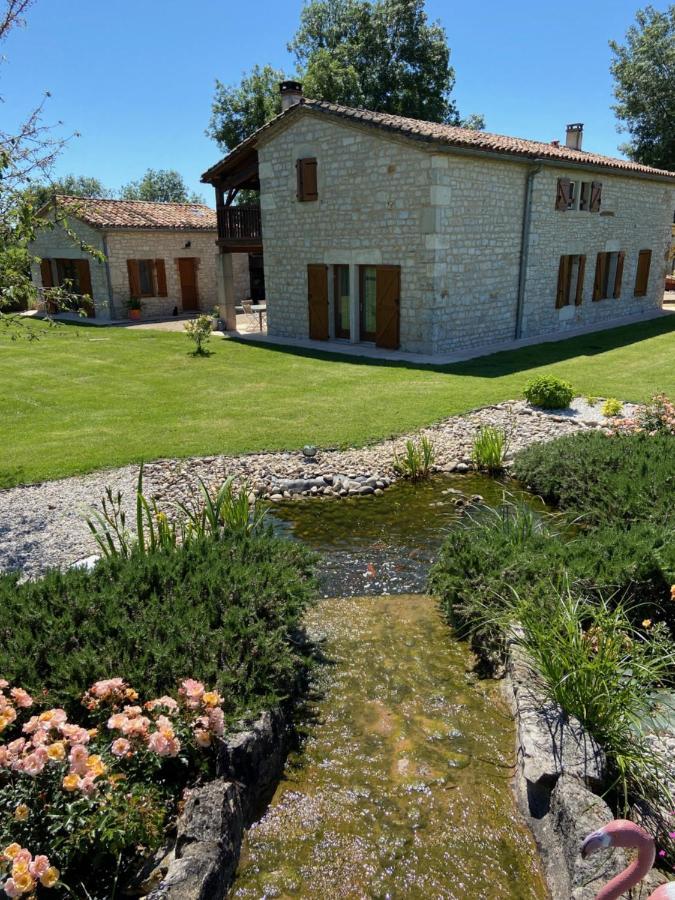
83, 398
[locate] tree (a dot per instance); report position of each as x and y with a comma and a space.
239, 110
161, 186
644, 74
73, 186
380, 54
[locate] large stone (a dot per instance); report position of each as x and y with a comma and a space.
576, 812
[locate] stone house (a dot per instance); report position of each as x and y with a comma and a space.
434, 239
162, 253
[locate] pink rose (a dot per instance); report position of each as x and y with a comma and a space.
78, 759
21, 698
120, 747
39, 866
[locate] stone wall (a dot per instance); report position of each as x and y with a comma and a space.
453, 222
121, 245
55, 243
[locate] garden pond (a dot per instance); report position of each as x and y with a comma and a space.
401, 786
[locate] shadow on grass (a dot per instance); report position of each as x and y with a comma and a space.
505, 362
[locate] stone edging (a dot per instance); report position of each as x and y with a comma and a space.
203, 860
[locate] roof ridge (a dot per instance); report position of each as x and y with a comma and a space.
124, 200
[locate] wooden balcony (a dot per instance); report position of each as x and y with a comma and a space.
239, 227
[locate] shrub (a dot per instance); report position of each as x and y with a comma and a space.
621, 478
656, 417
226, 613
549, 392
611, 408
417, 462
489, 448
199, 331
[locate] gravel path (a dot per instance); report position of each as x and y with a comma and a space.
43, 525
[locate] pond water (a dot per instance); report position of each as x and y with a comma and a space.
402, 783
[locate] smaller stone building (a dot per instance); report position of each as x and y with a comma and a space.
163, 254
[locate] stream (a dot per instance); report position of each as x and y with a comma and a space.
401, 786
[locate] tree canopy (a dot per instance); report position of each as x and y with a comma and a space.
160, 185
73, 185
644, 74
384, 55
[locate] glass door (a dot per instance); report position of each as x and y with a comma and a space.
368, 302
341, 300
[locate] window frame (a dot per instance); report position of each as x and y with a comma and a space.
573, 272
305, 181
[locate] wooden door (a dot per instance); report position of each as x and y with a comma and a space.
317, 298
84, 287
187, 273
388, 307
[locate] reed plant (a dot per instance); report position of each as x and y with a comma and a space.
417, 462
489, 449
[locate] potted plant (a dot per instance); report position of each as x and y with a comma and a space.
134, 307
215, 316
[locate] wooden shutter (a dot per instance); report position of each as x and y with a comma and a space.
387, 307
307, 179
160, 273
317, 300
596, 196
619, 275
642, 274
600, 266
581, 272
46, 275
564, 271
84, 276
134, 278
563, 193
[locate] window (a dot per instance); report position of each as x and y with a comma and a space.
608, 275
368, 302
341, 300
642, 273
147, 278
585, 196
307, 179
570, 281
75, 275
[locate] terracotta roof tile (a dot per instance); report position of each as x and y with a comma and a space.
452, 136
139, 213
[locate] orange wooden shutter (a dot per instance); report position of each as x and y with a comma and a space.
642, 274
134, 278
387, 309
160, 272
307, 179
563, 292
84, 276
619, 275
596, 196
46, 273
317, 299
563, 193
580, 281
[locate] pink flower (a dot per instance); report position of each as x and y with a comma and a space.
167, 702
21, 698
10, 888
88, 786
74, 733
15, 747
3, 684
216, 719
203, 738
162, 745
136, 727
78, 759
107, 687
120, 747
31, 725
117, 721
671, 835
193, 691
39, 866
35, 762
662, 853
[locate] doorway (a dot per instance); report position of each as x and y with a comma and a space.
187, 273
380, 301
317, 299
341, 301
256, 274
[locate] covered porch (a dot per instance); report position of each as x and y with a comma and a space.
239, 231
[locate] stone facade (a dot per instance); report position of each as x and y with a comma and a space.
453, 222
110, 279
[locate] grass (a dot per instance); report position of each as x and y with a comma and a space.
84, 398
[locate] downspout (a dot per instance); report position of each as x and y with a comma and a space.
525, 247
111, 305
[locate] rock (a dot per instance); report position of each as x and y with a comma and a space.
275, 498
462, 467
576, 812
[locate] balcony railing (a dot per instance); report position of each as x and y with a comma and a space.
239, 223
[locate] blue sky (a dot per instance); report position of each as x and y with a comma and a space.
136, 78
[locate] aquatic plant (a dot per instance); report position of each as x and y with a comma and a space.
489, 448
418, 460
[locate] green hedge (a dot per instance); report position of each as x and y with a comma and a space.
225, 612
622, 478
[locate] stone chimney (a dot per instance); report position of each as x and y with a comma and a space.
291, 93
574, 136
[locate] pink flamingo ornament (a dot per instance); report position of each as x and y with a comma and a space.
622, 833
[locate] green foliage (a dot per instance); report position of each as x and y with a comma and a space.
418, 460
657, 416
70, 185
644, 75
611, 408
591, 400
199, 331
622, 478
160, 186
134, 303
549, 392
224, 612
239, 110
489, 448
